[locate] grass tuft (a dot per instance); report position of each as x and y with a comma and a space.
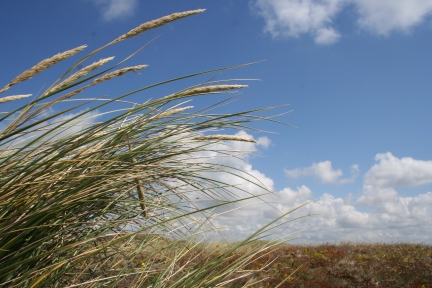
101, 192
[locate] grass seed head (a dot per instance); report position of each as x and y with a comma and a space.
43, 65
13, 98
99, 80
81, 73
225, 137
116, 73
207, 89
170, 113
73, 93
156, 23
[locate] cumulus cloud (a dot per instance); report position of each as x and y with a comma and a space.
116, 9
324, 172
301, 195
391, 172
399, 219
293, 18
398, 172
333, 219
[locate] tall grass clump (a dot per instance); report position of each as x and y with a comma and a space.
95, 195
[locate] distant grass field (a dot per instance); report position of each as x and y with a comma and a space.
286, 265
346, 265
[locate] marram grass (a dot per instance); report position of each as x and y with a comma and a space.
107, 203
14, 98
79, 74
41, 66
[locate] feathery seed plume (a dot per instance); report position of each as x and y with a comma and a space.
155, 23
116, 73
13, 98
169, 113
81, 73
225, 137
99, 80
72, 93
206, 90
43, 65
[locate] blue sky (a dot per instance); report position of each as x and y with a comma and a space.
356, 73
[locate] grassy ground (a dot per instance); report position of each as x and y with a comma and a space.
346, 265
325, 265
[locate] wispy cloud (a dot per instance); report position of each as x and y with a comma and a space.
295, 17
324, 172
292, 18
116, 9
264, 142
384, 16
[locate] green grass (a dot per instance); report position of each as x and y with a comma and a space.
96, 196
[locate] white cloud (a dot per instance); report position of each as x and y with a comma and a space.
326, 35
115, 9
72, 127
324, 172
392, 219
399, 219
373, 195
302, 194
295, 17
264, 142
398, 172
391, 172
355, 171
292, 18
385, 16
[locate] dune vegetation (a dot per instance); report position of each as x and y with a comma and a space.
341, 265
100, 191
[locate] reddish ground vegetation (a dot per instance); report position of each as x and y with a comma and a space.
346, 265
314, 266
